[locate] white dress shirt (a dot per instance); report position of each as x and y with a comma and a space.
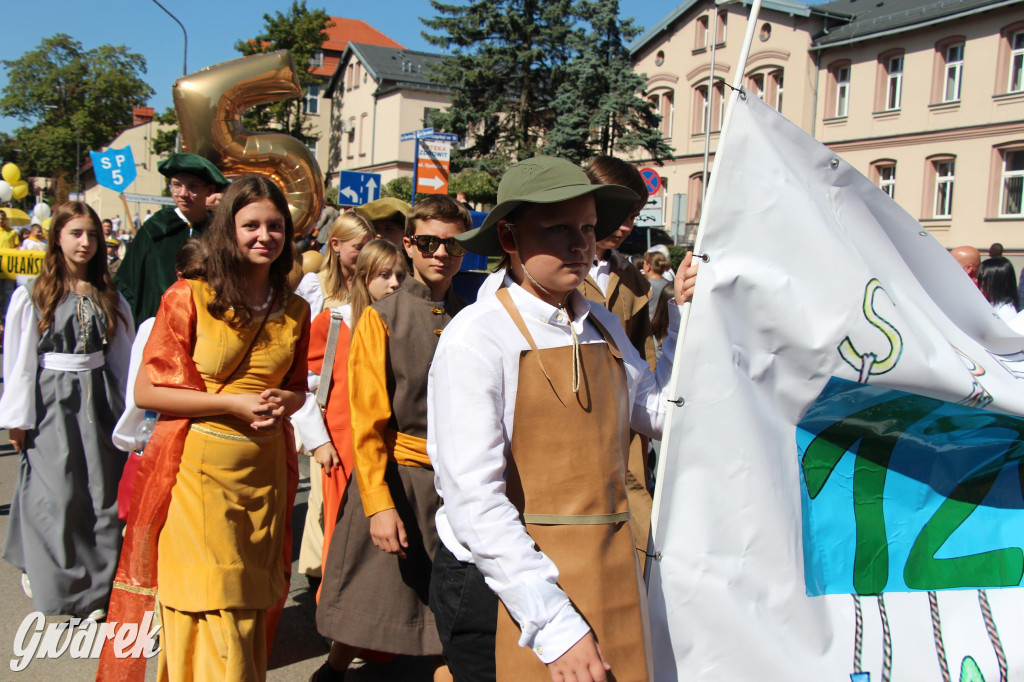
471, 402
601, 272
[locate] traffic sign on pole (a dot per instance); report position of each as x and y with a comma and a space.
433, 160
417, 134
651, 179
356, 189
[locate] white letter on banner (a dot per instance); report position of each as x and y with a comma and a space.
26, 652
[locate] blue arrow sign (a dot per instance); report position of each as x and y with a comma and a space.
356, 189
114, 168
417, 134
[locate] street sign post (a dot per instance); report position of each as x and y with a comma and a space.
651, 179
417, 134
356, 189
433, 162
652, 214
114, 168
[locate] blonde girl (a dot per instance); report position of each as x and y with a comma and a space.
67, 339
330, 287
380, 270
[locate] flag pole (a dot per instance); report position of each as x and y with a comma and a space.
684, 314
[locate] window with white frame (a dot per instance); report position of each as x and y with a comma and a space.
311, 102
701, 37
719, 92
1011, 198
943, 188
776, 80
317, 60
893, 82
757, 85
1016, 83
887, 178
310, 143
667, 111
842, 76
954, 72
701, 109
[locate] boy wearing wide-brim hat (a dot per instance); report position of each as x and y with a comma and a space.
148, 266
531, 398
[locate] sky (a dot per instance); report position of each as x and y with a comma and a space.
213, 27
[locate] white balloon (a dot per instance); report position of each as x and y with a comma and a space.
41, 211
5, 190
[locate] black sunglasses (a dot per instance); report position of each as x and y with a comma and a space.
428, 244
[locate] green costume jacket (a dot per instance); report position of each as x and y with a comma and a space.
148, 266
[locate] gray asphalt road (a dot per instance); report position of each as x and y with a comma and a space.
298, 649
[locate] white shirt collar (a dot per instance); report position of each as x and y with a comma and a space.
533, 308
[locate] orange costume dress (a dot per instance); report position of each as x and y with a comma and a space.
339, 424
222, 492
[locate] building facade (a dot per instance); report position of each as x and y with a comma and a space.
378, 93
926, 99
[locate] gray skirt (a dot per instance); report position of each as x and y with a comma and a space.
374, 600
63, 530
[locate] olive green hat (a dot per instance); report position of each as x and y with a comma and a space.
547, 180
194, 165
388, 208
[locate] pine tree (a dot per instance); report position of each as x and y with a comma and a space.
551, 76
506, 61
600, 107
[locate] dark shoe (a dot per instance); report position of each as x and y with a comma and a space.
326, 673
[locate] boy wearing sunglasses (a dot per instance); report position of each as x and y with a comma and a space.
375, 584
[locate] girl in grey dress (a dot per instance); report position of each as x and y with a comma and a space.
67, 340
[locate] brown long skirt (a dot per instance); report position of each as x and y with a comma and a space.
374, 600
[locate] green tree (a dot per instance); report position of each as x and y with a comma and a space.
480, 187
507, 59
301, 32
165, 140
70, 95
600, 107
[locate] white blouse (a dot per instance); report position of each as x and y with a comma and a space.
21, 359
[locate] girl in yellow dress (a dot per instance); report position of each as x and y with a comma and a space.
220, 552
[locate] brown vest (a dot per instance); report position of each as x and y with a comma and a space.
566, 476
414, 327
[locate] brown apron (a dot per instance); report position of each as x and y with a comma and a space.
566, 476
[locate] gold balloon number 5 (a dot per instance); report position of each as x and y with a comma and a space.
210, 104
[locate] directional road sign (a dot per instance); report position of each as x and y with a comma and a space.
651, 179
417, 134
149, 199
357, 189
432, 166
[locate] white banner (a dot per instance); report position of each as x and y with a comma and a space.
833, 503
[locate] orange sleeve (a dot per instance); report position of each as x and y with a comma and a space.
371, 409
318, 331
168, 353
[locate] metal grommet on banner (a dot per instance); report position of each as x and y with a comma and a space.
678, 402
922, 233
833, 164
703, 256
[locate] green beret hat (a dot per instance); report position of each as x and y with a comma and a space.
194, 165
388, 208
549, 180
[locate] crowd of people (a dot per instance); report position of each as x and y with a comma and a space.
482, 494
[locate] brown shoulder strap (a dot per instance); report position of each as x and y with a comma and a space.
517, 318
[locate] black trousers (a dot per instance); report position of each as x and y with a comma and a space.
466, 614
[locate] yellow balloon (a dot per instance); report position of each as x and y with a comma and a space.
11, 173
20, 190
209, 104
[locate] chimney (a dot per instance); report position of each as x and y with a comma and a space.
142, 115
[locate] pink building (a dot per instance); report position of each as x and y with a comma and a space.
926, 98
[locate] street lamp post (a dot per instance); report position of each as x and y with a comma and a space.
184, 63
